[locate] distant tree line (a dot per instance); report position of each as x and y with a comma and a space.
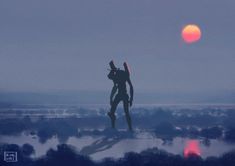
66, 155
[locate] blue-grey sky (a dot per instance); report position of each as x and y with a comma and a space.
48, 45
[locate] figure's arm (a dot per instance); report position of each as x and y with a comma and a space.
131, 91
114, 90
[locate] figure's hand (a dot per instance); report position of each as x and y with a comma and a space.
131, 101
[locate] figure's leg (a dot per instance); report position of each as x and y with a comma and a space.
126, 109
111, 114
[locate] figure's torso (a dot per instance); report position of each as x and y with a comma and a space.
120, 80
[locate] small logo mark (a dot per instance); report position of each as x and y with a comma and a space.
10, 156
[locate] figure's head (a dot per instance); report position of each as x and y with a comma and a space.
112, 74
116, 73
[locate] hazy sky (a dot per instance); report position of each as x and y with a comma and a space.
66, 45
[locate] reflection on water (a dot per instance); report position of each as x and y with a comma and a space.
99, 147
192, 147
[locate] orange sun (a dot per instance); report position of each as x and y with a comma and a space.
191, 33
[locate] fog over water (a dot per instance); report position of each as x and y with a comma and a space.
163, 127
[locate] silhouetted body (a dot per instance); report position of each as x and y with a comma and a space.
120, 78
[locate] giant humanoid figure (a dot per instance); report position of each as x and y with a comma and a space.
120, 78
